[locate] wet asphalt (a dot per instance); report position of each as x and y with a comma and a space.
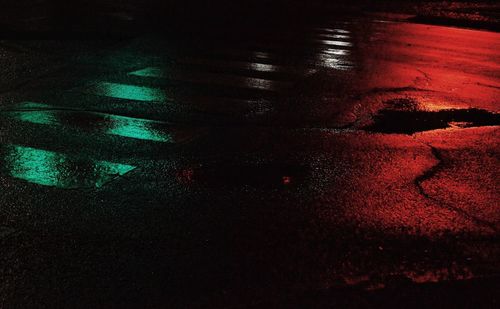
339, 163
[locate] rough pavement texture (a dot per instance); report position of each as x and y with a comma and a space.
351, 163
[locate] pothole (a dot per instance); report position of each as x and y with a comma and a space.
407, 120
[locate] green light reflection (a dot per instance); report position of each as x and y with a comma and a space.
38, 117
35, 166
149, 72
110, 170
49, 168
128, 92
101, 123
138, 129
33, 105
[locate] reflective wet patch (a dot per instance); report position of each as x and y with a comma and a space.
48, 168
136, 128
412, 121
127, 92
334, 43
149, 72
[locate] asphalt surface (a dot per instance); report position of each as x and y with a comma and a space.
345, 163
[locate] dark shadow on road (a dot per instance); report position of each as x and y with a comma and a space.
409, 122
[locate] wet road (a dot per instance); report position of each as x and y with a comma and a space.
352, 163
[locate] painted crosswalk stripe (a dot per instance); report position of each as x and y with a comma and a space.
49, 168
127, 92
136, 128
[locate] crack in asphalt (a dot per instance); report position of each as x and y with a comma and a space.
426, 76
487, 85
398, 89
431, 172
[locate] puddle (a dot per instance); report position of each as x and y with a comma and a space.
109, 124
127, 92
54, 169
259, 176
409, 122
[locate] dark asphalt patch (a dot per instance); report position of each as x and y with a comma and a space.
6, 232
207, 78
266, 176
409, 122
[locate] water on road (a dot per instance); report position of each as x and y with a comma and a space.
327, 162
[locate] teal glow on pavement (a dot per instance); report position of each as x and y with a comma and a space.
137, 128
35, 166
149, 72
105, 171
33, 105
38, 117
128, 92
48, 168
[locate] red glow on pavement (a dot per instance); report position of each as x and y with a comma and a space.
185, 176
287, 180
441, 67
379, 187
